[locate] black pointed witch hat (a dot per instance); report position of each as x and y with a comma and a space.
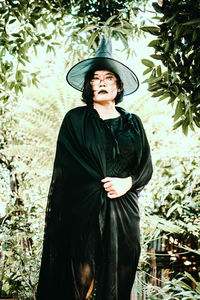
102, 61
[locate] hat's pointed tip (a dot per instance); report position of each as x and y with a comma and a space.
105, 48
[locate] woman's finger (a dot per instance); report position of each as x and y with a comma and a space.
110, 189
111, 196
107, 185
106, 179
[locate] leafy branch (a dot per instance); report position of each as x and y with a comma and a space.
177, 47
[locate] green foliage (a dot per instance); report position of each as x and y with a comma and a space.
22, 27
25, 26
177, 46
175, 289
91, 19
21, 236
178, 196
170, 204
172, 200
26, 165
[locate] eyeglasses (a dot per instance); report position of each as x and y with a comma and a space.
106, 80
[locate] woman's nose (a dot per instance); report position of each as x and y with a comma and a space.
102, 83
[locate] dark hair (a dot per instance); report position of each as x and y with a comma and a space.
87, 93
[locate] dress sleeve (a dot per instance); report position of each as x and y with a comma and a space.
144, 169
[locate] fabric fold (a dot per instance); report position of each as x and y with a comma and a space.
83, 228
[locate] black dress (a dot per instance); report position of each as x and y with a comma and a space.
87, 235
122, 235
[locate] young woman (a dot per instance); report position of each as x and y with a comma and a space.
92, 235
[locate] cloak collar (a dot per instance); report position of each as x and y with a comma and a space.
129, 121
121, 110
128, 124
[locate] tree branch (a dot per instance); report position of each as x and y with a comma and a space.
60, 6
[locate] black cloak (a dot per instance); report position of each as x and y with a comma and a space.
79, 216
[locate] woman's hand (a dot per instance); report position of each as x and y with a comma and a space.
117, 187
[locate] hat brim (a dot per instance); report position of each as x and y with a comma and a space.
76, 75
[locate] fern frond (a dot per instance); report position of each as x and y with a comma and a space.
39, 116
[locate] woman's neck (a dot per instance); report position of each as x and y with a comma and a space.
106, 110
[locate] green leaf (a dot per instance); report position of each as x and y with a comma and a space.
12, 21
172, 18
25, 57
178, 124
167, 44
148, 63
197, 121
28, 82
192, 126
172, 209
61, 32
179, 110
48, 49
35, 82
92, 38
153, 80
154, 87
158, 94
35, 50
16, 35
3, 68
185, 127
127, 25
194, 35
159, 71
172, 98
5, 100
175, 90
184, 285
123, 39
192, 22
165, 95
151, 29
157, 7
191, 278
87, 28
12, 85
178, 31
109, 20
19, 75
123, 30
22, 62
147, 71
21, 88
154, 43
155, 56
53, 50
16, 89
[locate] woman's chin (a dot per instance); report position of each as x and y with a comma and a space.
102, 98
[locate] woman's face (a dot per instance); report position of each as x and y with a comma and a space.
104, 86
